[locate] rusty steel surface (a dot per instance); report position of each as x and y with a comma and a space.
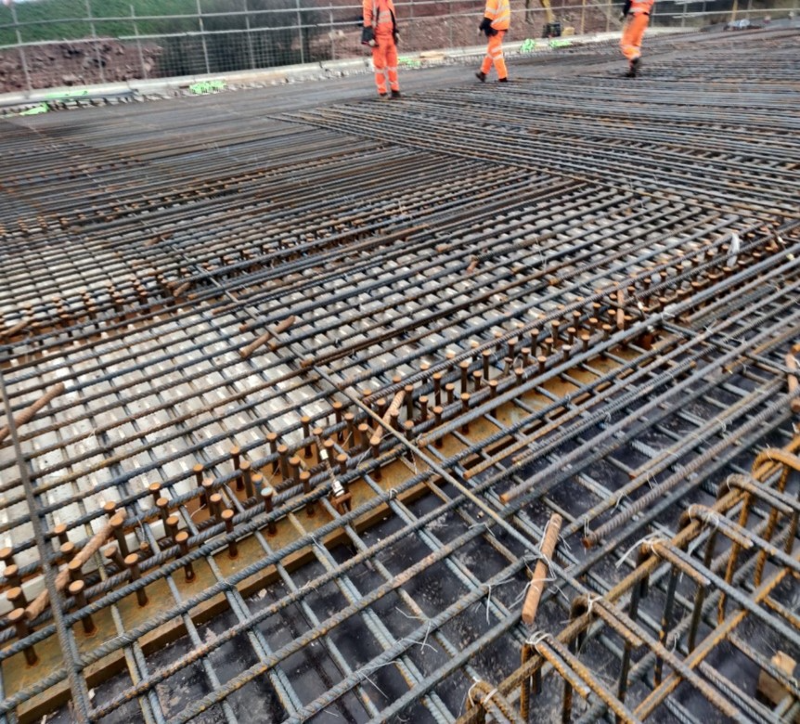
294, 380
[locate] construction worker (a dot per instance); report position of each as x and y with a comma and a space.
495, 23
380, 33
636, 16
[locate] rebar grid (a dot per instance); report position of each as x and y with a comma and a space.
319, 416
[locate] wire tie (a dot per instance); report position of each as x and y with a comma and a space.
648, 540
469, 693
591, 600
537, 637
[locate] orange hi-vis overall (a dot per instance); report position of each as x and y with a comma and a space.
380, 16
499, 12
636, 24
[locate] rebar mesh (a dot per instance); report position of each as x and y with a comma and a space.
319, 379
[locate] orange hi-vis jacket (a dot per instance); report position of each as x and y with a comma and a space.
379, 15
499, 12
637, 7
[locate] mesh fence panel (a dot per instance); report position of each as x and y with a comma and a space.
84, 42
180, 55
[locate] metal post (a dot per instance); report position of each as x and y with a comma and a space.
203, 36
331, 32
583, 17
23, 59
450, 21
138, 42
96, 41
608, 16
300, 33
411, 28
249, 36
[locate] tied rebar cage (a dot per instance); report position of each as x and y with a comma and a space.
480, 405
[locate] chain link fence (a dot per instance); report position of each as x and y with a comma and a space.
55, 43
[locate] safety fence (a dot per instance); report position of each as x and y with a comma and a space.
80, 42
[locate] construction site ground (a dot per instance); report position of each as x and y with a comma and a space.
317, 378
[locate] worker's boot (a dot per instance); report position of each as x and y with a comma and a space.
503, 80
395, 94
633, 68
481, 76
383, 96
